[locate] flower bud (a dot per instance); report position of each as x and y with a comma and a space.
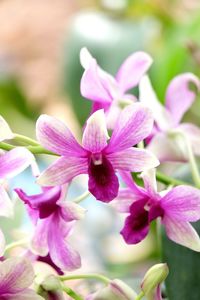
152, 280
51, 288
116, 290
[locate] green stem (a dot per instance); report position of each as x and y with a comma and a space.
24, 139
169, 180
140, 296
33, 149
95, 276
71, 293
12, 245
81, 197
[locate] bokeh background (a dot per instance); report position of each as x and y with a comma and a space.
40, 72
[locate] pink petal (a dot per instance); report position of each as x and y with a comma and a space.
71, 211
133, 159
133, 68
167, 148
95, 84
39, 242
54, 135
16, 274
6, 206
63, 170
128, 179
5, 131
14, 162
193, 134
124, 200
62, 254
150, 184
182, 233
95, 134
148, 97
134, 124
182, 202
180, 96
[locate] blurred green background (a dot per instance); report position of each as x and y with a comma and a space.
40, 72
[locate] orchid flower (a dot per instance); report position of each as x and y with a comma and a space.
54, 219
176, 208
108, 92
167, 138
16, 277
96, 157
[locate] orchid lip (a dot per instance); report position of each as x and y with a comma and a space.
97, 159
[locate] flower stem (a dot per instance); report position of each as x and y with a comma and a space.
81, 197
95, 276
169, 180
140, 296
71, 293
34, 149
24, 139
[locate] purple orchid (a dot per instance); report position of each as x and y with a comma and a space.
176, 208
167, 138
54, 219
16, 277
96, 157
108, 92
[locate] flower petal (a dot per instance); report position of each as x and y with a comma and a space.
96, 84
14, 162
16, 274
134, 124
150, 184
5, 131
39, 244
193, 134
54, 135
103, 183
148, 97
44, 202
95, 134
182, 202
136, 225
2, 243
27, 294
168, 148
180, 96
133, 68
133, 159
63, 170
182, 233
62, 254
6, 206
71, 211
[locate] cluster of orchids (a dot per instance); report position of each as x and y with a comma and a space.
124, 138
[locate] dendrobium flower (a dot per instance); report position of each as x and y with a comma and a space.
168, 138
16, 277
54, 219
176, 208
96, 157
108, 92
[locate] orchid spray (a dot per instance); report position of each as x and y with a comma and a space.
124, 144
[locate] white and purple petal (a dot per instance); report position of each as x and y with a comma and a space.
132, 69
63, 170
180, 95
133, 159
55, 136
6, 206
95, 135
5, 131
14, 162
134, 124
182, 233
